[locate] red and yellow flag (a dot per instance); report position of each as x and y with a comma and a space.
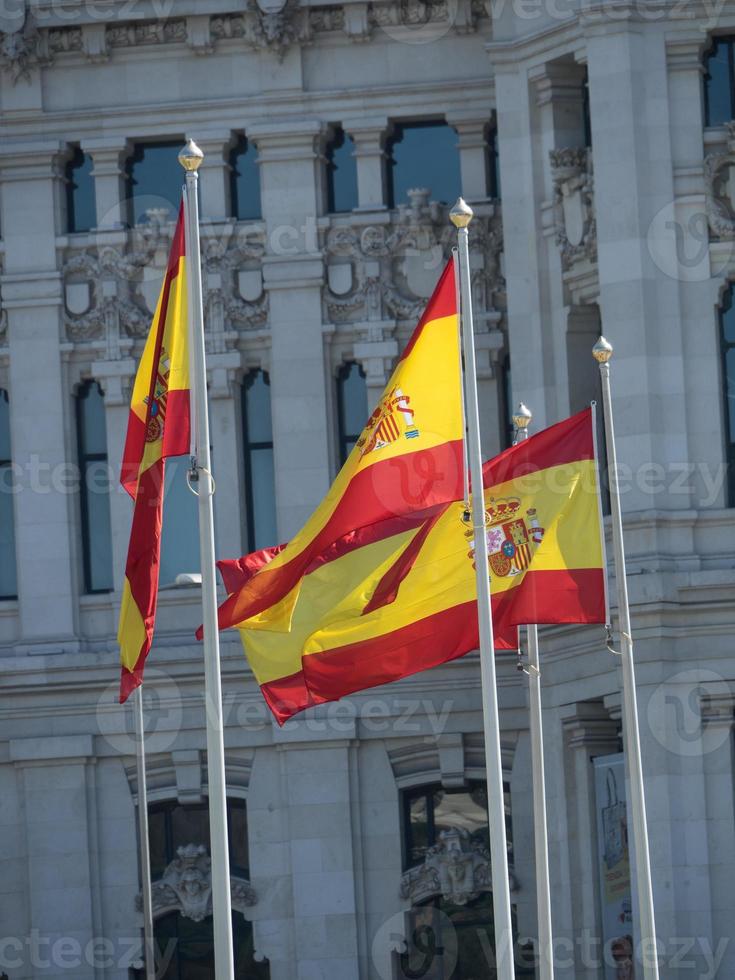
408, 459
158, 426
546, 566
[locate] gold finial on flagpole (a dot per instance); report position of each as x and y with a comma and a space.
522, 417
602, 351
191, 156
461, 214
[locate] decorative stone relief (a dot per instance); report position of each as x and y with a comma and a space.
169, 31
574, 205
271, 25
720, 189
23, 50
233, 285
186, 887
457, 867
384, 272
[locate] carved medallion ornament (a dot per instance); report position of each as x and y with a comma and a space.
719, 174
457, 867
574, 205
186, 887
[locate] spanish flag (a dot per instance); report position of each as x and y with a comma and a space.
408, 459
158, 426
546, 558
400, 596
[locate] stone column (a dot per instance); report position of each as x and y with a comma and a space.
58, 803
639, 299
292, 164
473, 157
214, 175
32, 296
110, 187
589, 730
559, 123
369, 136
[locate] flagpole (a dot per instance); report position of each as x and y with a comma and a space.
460, 216
149, 952
190, 159
521, 421
602, 352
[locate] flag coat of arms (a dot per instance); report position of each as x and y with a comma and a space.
158, 426
407, 459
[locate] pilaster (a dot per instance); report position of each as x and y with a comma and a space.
369, 135
110, 192
214, 174
472, 133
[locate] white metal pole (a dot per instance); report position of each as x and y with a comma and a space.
522, 420
602, 352
149, 950
190, 158
461, 215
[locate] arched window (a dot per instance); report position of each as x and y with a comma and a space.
154, 178
341, 173
244, 180
94, 478
81, 210
8, 580
423, 154
185, 947
727, 346
352, 408
257, 430
719, 82
449, 936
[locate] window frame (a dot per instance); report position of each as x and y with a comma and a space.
716, 40
9, 597
242, 143
338, 139
84, 459
76, 159
396, 135
167, 807
247, 449
345, 438
136, 156
726, 304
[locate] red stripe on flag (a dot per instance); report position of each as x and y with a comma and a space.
288, 696
426, 478
443, 303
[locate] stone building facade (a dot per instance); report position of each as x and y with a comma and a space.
612, 208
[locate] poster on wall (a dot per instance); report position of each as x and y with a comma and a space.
614, 866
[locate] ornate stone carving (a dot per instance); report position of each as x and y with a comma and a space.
272, 26
186, 887
322, 20
574, 205
383, 272
719, 188
457, 867
23, 50
170, 31
64, 39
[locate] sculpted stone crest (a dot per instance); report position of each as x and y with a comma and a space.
574, 204
457, 867
720, 189
186, 886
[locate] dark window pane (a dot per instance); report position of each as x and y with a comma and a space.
81, 210
180, 534
4, 427
258, 458
262, 480
418, 829
94, 489
244, 180
157, 842
508, 433
718, 91
341, 173
238, 834
423, 155
92, 420
186, 949
727, 318
586, 118
493, 165
99, 534
260, 427
730, 391
8, 580
465, 811
351, 406
189, 825
155, 178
